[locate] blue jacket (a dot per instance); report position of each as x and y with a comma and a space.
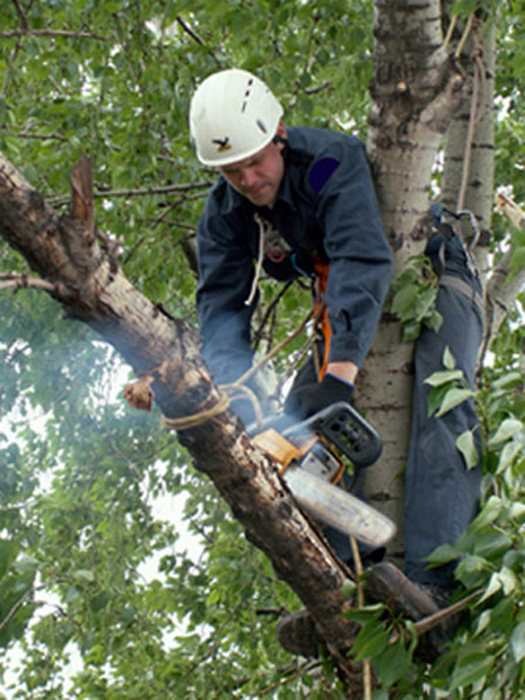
326, 206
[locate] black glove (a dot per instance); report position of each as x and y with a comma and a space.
311, 398
243, 409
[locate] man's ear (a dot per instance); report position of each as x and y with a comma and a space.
282, 134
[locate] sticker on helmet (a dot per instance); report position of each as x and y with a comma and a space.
261, 126
321, 171
222, 144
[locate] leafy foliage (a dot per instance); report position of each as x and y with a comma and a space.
415, 291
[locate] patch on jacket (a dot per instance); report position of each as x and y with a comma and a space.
322, 170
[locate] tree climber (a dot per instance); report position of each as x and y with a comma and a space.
300, 202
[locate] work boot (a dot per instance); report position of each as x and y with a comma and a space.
385, 583
297, 634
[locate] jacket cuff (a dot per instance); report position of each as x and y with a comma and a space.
346, 348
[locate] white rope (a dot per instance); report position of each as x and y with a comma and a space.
258, 267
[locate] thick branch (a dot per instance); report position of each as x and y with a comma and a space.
167, 349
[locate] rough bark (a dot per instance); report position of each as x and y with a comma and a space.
90, 286
415, 92
469, 168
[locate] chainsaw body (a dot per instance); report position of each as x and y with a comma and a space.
315, 454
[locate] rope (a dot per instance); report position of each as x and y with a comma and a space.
464, 37
263, 228
230, 392
195, 419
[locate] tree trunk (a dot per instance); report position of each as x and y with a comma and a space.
414, 93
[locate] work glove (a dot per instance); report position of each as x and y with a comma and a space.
243, 409
312, 398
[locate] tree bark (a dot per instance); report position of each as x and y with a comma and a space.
415, 93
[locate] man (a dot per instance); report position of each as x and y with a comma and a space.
295, 202
291, 199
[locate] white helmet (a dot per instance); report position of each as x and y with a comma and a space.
233, 115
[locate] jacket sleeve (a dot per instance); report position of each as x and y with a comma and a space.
361, 261
225, 277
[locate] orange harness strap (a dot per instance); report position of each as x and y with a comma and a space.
321, 312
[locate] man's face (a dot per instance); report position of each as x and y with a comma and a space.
258, 177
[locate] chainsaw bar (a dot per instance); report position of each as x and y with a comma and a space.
338, 508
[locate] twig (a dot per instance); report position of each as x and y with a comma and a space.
14, 281
367, 669
186, 27
511, 210
12, 612
21, 14
272, 305
464, 37
249, 373
319, 88
190, 32
290, 675
428, 623
43, 33
29, 135
141, 192
450, 31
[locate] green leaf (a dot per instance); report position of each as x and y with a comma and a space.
365, 614
348, 588
495, 585
517, 642
509, 453
443, 554
488, 513
467, 446
435, 398
449, 361
443, 377
371, 641
507, 430
470, 669
453, 397
84, 575
8, 552
392, 664
507, 379
404, 300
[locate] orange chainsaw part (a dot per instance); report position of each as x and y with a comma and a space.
286, 453
321, 312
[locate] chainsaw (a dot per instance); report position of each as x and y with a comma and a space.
315, 454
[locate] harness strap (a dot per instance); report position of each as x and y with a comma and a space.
460, 286
323, 326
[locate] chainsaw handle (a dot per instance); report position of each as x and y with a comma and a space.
345, 428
